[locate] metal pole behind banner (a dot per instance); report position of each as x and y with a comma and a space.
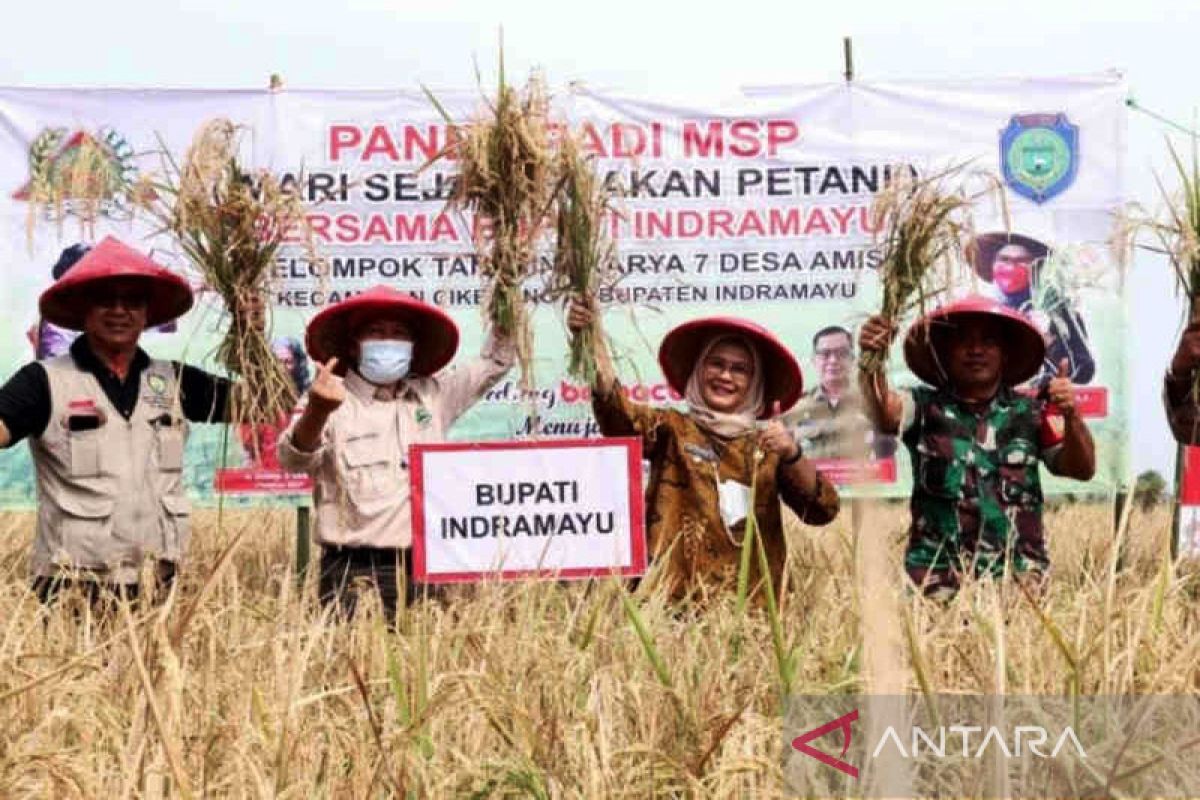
848, 58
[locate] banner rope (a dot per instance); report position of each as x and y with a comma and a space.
1131, 103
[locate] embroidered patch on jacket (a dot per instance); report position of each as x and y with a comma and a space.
423, 417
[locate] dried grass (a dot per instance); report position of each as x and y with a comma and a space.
536, 689
1177, 231
584, 255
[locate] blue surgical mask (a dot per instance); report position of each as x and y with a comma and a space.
385, 361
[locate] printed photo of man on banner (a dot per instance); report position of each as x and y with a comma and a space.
829, 422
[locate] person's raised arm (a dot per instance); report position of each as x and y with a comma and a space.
615, 413
883, 406
1077, 458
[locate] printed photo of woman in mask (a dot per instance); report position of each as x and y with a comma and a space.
260, 442
1015, 265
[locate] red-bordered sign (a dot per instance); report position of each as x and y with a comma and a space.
515, 464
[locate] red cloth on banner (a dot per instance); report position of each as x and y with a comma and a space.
848, 471
260, 481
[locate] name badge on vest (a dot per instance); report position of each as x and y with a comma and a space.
155, 394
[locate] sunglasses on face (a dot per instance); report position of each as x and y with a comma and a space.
129, 298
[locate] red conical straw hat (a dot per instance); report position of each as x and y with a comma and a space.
680, 348
68, 300
436, 336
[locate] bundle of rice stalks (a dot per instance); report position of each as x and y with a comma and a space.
1178, 233
584, 256
230, 223
505, 180
921, 224
1179, 230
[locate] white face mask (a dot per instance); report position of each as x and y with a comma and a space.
384, 361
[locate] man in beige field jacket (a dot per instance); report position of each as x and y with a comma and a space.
354, 434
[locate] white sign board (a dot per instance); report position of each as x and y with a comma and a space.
558, 509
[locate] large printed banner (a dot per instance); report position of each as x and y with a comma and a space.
756, 205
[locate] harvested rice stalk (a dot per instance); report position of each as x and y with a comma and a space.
1178, 233
505, 179
230, 223
922, 225
584, 256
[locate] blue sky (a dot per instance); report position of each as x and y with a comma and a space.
668, 48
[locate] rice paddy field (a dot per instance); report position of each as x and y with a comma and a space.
239, 687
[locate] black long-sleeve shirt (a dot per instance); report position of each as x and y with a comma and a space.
25, 398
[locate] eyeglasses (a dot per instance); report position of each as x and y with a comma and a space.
833, 353
738, 369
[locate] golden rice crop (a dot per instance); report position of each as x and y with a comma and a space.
534, 689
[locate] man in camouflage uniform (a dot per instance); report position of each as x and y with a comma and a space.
975, 443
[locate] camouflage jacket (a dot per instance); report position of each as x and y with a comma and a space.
976, 498
685, 528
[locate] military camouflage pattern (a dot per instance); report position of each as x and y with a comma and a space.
976, 500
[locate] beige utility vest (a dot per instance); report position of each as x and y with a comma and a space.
107, 498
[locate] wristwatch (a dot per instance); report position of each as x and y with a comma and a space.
787, 462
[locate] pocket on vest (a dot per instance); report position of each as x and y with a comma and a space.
87, 532
368, 469
170, 448
937, 471
177, 517
84, 452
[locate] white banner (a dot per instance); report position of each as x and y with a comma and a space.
756, 205
564, 509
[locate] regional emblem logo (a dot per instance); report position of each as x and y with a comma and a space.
81, 174
1039, 155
